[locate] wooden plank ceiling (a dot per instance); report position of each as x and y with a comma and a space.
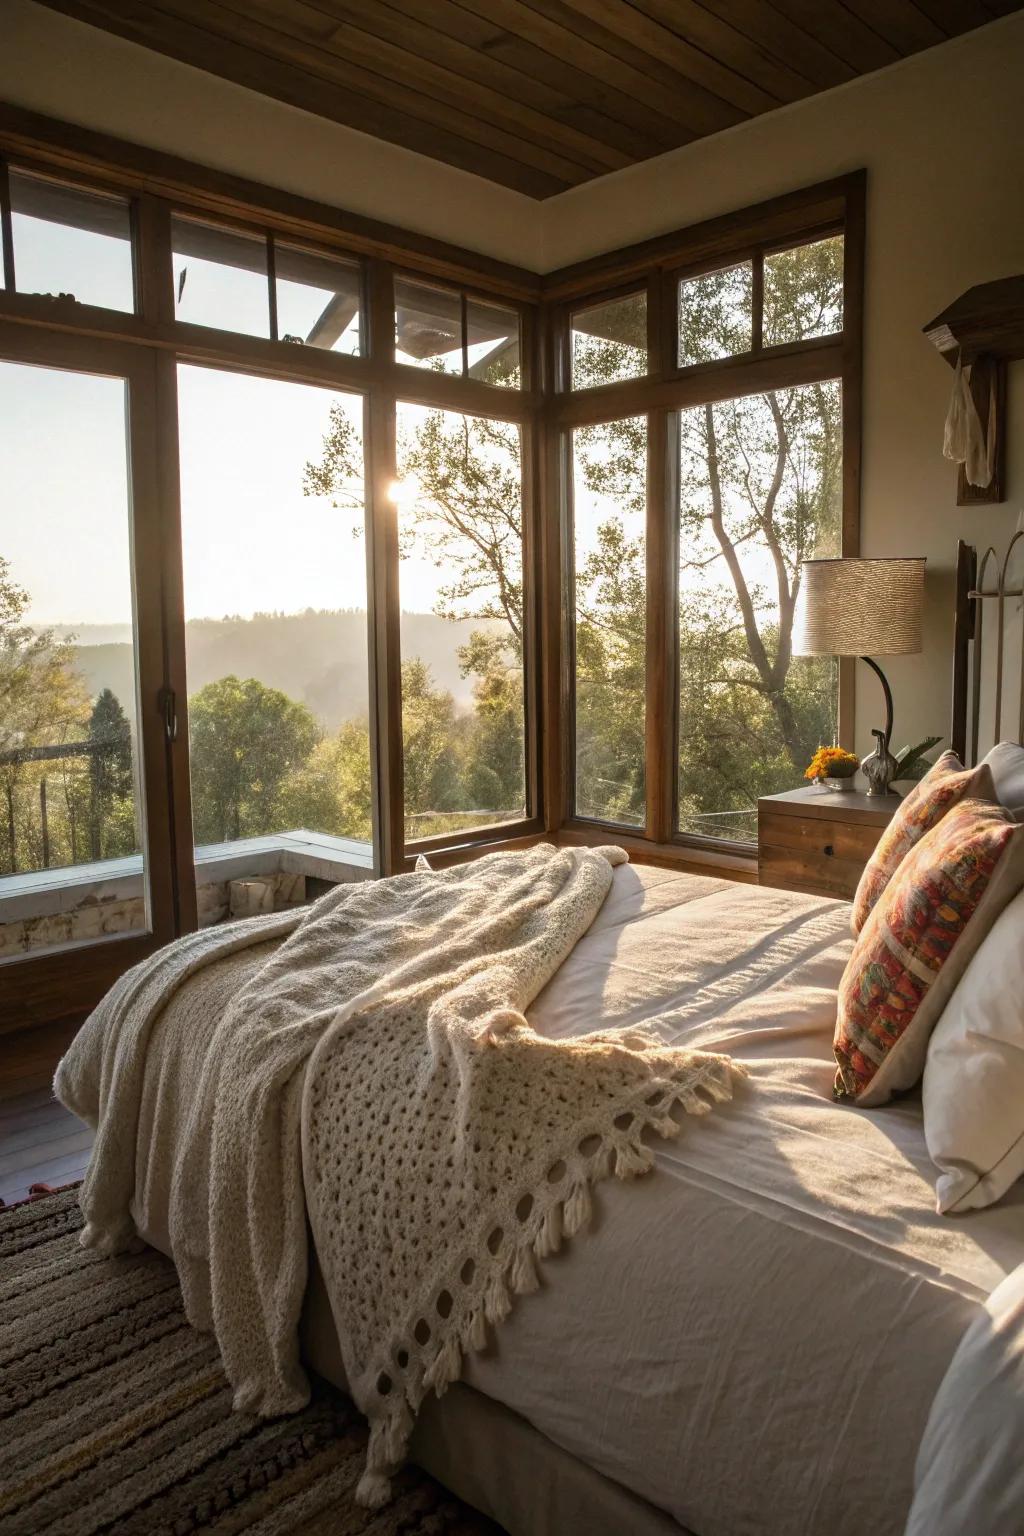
538, 95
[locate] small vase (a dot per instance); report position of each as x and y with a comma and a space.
879, 766
838, 786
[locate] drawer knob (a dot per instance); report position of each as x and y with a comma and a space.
828, 851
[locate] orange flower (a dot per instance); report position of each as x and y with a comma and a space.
831, 763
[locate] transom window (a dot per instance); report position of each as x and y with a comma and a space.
448, 331
70, 242
257, 285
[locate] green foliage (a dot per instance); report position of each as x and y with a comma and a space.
246, 740
911, 762
330, 791
43, 702
111, 810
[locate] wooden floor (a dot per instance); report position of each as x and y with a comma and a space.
40, 1141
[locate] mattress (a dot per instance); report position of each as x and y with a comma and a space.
750, 1338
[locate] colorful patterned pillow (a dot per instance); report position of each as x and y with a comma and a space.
916, 944
943, 786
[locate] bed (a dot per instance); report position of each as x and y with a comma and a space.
751, 1339
753, 1305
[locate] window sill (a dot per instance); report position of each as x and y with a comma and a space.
46, 892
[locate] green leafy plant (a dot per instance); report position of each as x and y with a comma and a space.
911, 762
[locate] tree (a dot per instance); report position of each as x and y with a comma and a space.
431, 767
330, 791
112, 780
43, 703
246, 739
467, 521
760, 481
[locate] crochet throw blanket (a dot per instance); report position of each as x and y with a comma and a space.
378, 1071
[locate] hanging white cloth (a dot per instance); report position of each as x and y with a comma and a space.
964, 441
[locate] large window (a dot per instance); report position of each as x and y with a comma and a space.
460, 526
70, 799
609, 484
454, 556
759, 491
275, 607
691, 510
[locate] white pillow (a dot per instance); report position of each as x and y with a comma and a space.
974, 1074
1007, 764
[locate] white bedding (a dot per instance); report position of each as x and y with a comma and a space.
750, 1338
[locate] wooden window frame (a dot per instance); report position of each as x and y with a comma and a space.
41, 986
795, 219
544, 409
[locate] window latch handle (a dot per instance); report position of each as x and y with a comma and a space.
170, 714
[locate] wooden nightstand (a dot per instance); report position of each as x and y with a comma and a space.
818, 841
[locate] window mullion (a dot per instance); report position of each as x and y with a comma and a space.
661, 568
6, 228
757, 302
272, 288
383, 618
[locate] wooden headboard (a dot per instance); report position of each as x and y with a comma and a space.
988, 649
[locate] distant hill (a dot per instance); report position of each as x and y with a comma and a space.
318, 658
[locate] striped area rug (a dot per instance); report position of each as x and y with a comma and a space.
115, 1416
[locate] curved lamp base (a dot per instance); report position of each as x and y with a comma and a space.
880, 767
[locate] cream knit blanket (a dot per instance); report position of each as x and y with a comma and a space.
380, 1056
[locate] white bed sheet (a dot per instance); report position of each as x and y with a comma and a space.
751, 1337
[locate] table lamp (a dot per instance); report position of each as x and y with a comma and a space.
853, 607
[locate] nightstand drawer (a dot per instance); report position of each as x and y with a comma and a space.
808, 841
817, 837
812, 870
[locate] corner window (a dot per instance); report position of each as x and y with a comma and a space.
715, 315
609, 487
803, 292
608, 341
445, 330
760, 490
460, 529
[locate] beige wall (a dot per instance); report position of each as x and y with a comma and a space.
941, 135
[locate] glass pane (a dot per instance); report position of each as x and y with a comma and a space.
70, 241
493, 344
803, 292
609, 521
220, 278
428, 326
715, 315
71, 840
760, 491
275, 637
609, 341
318, 299
460, 520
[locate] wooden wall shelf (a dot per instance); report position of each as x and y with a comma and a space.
987, 320
985, 327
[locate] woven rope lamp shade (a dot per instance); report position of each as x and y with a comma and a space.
852, 607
